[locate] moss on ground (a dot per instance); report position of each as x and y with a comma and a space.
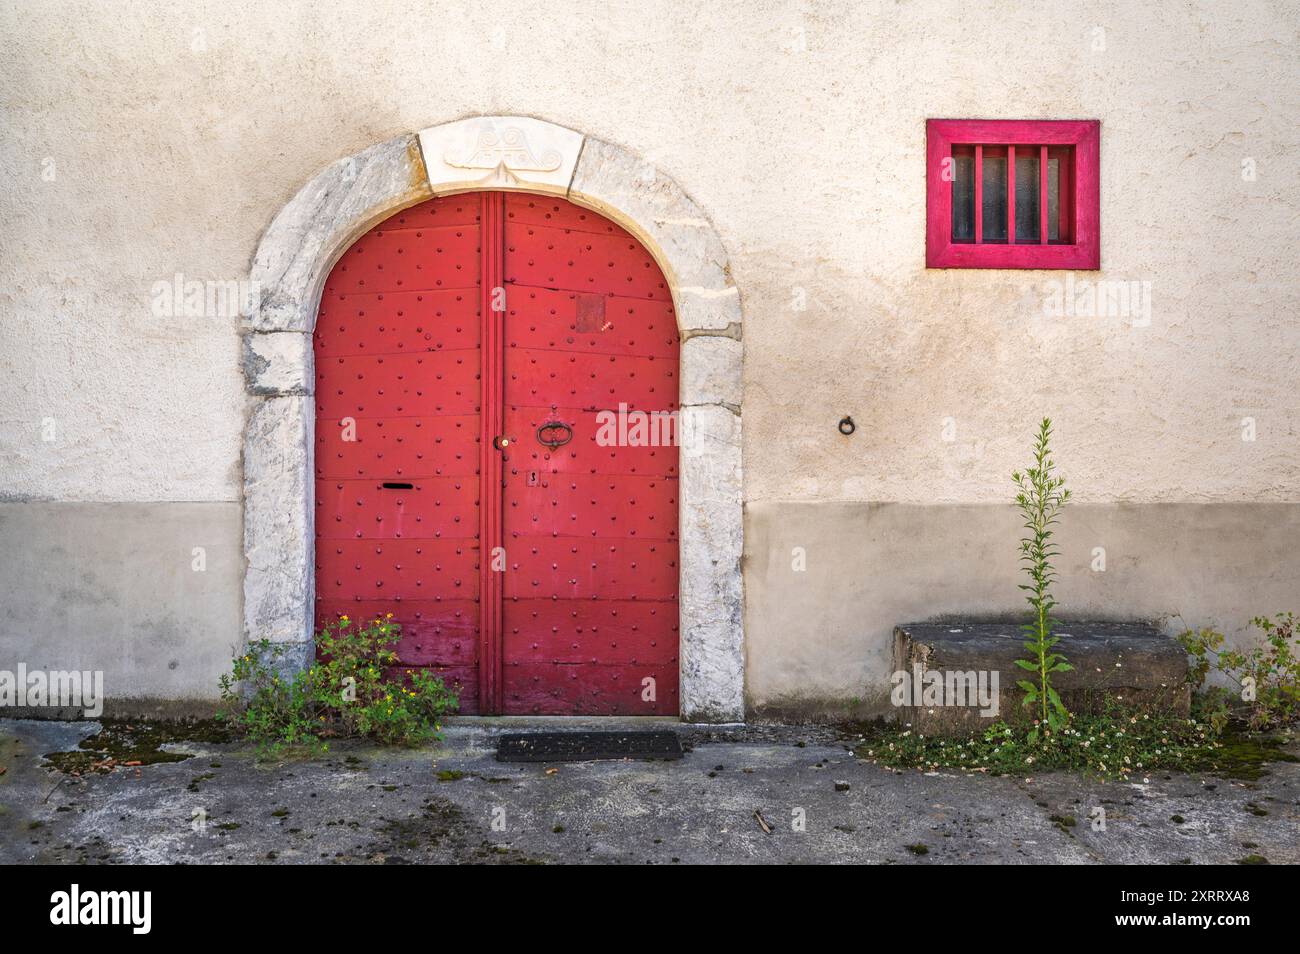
132, 742
1245, 755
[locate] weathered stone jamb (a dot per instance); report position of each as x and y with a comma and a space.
278, 363
279, 571
345, 200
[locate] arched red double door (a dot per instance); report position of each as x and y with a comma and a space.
486, 365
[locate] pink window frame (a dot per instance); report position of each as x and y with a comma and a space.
1084, 205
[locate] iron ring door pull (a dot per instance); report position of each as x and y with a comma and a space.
554, 426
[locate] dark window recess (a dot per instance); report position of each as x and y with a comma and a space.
1027, 188
963, 196
995, 195
995, 190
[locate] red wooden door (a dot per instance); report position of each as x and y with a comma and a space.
496, 461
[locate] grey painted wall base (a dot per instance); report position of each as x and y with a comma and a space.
143, 707
110, 586
113, 587
819, 640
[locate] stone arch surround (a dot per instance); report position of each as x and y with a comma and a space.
522, 154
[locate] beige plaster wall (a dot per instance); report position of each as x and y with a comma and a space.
140, 142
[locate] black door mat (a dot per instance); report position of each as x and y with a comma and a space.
587, 746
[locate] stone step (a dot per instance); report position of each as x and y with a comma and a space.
1132, 663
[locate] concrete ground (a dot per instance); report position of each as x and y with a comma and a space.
456, 803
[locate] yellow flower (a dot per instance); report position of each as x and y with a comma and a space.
388, 616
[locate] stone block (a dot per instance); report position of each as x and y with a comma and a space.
1131, 663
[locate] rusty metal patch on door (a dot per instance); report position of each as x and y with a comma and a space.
591, 314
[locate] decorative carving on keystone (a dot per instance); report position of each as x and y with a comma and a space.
500, 152
506, 149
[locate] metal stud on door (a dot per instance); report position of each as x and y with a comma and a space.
496, 453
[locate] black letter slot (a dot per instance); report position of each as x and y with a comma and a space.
397, 485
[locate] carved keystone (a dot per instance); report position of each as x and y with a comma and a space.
500, 152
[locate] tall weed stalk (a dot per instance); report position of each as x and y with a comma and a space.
1040, 496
